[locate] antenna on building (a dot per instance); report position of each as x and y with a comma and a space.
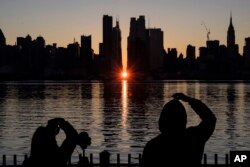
208, 30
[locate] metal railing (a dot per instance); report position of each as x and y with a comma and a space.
104, 161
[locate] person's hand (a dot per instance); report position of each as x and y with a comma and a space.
181, 96
53, 125
55, 121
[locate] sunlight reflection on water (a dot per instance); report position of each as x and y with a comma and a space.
120, 117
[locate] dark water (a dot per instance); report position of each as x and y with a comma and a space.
120, 117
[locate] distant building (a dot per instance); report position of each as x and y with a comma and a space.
74, 50
26, 51
213, 49
40, 42
2, 39
137, 45
86, 49
170, 60
116, 59
246, 53
145, 47
110, 48
190, 57
156, 49
107, 40
190, 53
233, 49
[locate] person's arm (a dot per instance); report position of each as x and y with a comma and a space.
69, 143
207, 125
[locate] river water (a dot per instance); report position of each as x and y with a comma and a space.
120, 117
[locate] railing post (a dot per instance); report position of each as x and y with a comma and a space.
205, 160
140, 158
227, 160
80, 160
118, 160
216, 159
25, 156
91, 160
129, 160
4, 160
104, 158
15, 160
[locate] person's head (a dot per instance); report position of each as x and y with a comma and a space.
42, 141
173, 117
53, 127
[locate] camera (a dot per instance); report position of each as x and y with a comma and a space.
83, 140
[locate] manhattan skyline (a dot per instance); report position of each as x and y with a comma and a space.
181, 21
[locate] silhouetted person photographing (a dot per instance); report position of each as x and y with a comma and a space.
44, 148
178, 145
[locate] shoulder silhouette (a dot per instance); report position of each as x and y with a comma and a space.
177, 144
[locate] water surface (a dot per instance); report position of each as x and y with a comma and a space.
120, 117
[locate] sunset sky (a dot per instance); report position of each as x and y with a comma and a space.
60, 21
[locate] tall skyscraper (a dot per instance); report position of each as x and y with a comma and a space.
230, 34
145, 47
190, 53
86, 49
246, 53
107, 40
233, 49
156, 49
116, 48
110, 49
137, 45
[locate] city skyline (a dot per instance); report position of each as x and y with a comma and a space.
180, 21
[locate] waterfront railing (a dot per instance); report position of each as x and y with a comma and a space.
105, 161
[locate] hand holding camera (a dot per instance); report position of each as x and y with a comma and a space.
183, 97
83, 140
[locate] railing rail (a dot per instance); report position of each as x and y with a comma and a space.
104, 161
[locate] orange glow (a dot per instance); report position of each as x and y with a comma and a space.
124, 75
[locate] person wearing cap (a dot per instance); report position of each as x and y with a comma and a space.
177, 145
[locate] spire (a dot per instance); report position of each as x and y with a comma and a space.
231, 33
231, 20
231, 27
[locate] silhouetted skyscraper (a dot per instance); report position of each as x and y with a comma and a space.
213, 49
137, 45
156, 49
86, 49
190, 53
190, 57
116, 48
230, 34
2, 39
233, 49
110, 48
74, 50
145, 48
246, 53
25, 47
107, 40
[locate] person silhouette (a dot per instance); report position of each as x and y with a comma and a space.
177, 145
44, 148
